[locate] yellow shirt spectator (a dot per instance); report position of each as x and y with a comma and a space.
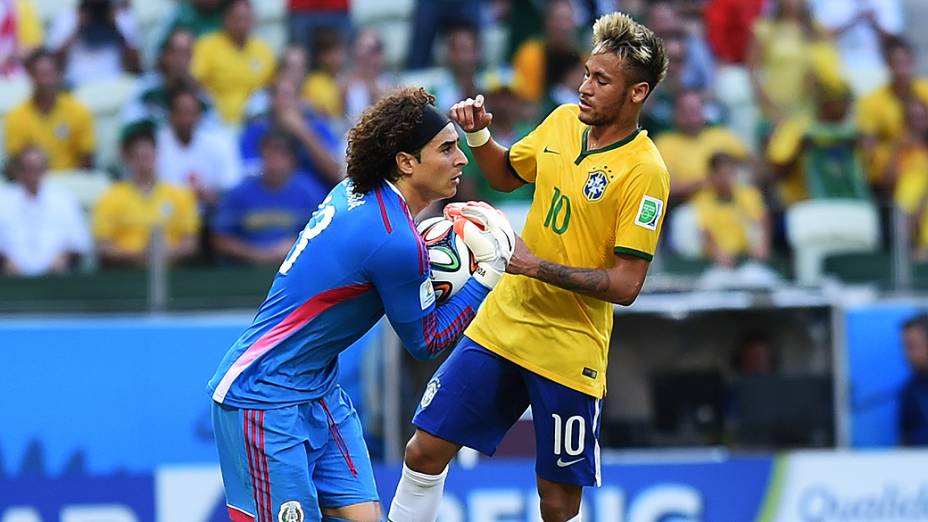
912, 187
788, 58
65, 134
29, 33
528, 64
125, 215
320, 91
881, 114
785, 144
687, 157
231, 73
731, 224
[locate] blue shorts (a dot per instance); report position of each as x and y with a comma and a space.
476, 396
307, 457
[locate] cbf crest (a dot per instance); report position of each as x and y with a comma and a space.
595, 185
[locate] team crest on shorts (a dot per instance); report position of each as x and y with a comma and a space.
595, 185
430, 390
290, 511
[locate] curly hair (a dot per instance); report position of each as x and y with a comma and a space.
379, 135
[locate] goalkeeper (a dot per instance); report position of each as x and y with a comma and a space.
290, 442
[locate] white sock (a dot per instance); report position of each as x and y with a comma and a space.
417, 497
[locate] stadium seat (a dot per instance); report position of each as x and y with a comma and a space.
85, 185
684, 236
274, 35
818, 228
151, 13
48, 10
366, 12
105, 100
270, 11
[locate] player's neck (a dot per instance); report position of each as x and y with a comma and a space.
415, 201
605, 135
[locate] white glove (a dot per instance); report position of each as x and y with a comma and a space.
488, 235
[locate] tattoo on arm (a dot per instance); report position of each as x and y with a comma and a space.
593, 281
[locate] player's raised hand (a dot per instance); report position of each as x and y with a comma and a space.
471, 114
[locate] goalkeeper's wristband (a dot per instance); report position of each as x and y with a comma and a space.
487, 275
477, 139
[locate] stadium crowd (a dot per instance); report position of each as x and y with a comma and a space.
223, 142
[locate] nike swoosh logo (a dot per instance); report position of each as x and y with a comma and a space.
562, 464
549, 151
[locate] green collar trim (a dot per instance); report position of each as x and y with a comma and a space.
584, 152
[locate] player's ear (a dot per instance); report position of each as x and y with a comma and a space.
405, 163
640, 92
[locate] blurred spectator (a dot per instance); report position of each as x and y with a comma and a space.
51, 119
20, 34
731, 216
788, 50
367, 81
172, 71
658, 114
699, 66
431, 16
510, 124
96, 41
203, 159
258, 220
815, 155
530, 59
130, 212
41, 230
565, 70
913, 398
321, 89
317, 153
754, 356
458, 80
688, 148
305, 18
728, 26
291, 67
881, 114
859, 28
231, 63
728, 30
200, 17
907, 171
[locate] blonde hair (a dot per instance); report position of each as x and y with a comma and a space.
642, 50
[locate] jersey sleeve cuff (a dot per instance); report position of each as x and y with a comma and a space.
512, 170
632, 252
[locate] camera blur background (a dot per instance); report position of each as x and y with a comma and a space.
160, 157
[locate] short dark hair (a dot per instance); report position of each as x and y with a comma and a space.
892, 43
380, 134
37, 55
136, 132
227, 5
16, 161
279, 139
917, 321
184, 89
721, 158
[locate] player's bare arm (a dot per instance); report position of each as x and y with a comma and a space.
620, 284
472, 116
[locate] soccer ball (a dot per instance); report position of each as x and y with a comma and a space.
452, 263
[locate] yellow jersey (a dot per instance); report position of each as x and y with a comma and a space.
731, 224
230, 73
65, 134
912, 187
785, 144
588, 206
125, 215
881, 114
688, 157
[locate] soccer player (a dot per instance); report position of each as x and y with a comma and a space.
542, 340
289, 439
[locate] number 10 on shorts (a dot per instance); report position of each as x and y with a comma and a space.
569, 435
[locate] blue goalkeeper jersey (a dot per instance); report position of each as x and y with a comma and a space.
358, 257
